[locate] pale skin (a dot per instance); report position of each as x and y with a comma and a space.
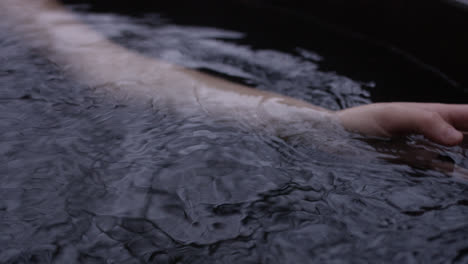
90, 58
441, 123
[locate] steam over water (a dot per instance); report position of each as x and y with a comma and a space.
85, 178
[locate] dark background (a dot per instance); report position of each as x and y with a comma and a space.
413, 50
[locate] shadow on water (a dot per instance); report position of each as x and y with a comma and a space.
88, 179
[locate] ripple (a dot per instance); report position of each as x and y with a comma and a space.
89, 179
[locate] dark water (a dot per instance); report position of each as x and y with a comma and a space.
86, 179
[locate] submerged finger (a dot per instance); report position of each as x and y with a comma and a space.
455, 114
437, 129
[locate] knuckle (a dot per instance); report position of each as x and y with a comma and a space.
430, 117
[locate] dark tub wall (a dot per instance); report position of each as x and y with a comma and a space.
416, 50
435, 32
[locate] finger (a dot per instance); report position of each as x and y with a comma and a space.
455, 114
437, 129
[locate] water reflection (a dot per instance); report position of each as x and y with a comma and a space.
87, 179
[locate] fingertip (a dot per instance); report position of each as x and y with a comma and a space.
451, 137
440, 131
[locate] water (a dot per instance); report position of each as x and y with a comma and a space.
88, 179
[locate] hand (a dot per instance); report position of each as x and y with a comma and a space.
440, 123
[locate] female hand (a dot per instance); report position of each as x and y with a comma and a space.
441, 123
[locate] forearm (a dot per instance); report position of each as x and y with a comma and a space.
90, 58
62, 37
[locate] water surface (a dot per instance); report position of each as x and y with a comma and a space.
88, 179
